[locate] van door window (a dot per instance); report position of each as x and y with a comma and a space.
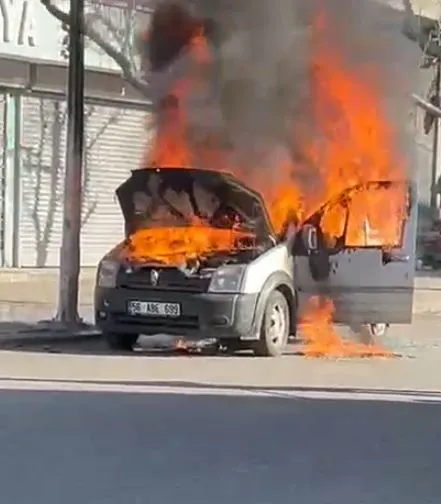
333, 223
377, 217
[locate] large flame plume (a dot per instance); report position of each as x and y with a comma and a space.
288, 95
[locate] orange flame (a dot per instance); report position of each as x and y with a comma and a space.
355, 142
322, 339
174, 246
172, 147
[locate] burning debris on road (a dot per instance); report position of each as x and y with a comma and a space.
323, 340
287, 96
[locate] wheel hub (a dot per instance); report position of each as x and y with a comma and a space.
378, 329
277, 324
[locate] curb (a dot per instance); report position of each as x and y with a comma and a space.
47, 336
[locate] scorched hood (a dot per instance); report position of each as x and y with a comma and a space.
186, 194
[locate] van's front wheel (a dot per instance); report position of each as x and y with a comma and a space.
274, 331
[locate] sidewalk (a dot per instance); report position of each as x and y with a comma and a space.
40, 286
28, 301
21, 322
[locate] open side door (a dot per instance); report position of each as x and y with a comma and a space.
359, 251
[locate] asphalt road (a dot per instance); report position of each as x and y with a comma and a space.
80, 425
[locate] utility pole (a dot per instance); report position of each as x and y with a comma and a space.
70, 248
435, 99
435, 145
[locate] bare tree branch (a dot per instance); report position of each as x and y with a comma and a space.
420, 29
58, 119
427, 106
91, 205
89, 212
88, 31
38, 179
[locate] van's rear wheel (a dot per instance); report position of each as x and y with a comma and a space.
370, 334
120, 341
275, 327
378, 330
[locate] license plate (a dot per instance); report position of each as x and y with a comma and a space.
154, 309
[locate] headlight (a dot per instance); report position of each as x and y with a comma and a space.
107, 273
227, 279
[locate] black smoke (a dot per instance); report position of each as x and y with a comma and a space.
262, 68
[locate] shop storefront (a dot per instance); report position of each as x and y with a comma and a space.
33, 123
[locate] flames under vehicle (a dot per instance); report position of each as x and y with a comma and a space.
248, 290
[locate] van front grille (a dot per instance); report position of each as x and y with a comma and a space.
169, 279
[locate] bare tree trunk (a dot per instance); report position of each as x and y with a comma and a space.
70, 248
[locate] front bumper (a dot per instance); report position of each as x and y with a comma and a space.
205, 315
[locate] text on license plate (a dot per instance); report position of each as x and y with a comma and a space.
150, 308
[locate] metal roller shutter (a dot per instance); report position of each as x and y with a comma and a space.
2, 177
43, 147
114, 140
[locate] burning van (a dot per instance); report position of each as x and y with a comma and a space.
201, 259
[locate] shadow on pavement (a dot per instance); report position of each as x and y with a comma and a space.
18, 334
403, 342
108, 447
406, 341
33, 321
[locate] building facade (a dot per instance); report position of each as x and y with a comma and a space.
33, 119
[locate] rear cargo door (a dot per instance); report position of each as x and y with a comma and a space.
359, 251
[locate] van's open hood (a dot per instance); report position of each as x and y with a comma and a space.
224, 186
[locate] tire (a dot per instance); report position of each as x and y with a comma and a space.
378, 330
370, 334
274, 332
120, 341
